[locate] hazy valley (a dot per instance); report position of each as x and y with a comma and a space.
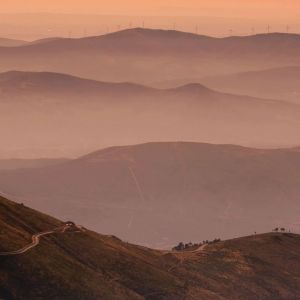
160, 193
73, 116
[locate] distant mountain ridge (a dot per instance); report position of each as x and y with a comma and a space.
278, 83
50, 82
69, 114
18, 82
135, 55
142, 34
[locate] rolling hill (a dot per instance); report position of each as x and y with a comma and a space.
280, 83
90, 266
157, 194
4, 42
135, 55
73, 116
18, 85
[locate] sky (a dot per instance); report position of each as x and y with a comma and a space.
245, 8
74, 18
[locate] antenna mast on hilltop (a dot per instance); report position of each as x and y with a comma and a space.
268, 28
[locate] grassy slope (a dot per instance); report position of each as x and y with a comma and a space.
91, 266
74, 265
265, 267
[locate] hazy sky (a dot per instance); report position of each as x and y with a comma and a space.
211, 17
246, 8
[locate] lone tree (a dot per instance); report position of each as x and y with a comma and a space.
282, 229
276, 229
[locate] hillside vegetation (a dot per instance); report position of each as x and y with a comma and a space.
88, 265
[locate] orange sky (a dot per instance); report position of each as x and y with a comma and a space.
212, 17
246, 8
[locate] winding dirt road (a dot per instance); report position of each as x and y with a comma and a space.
36, 238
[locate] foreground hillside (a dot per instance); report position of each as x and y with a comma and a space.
89, 266
160, 193
75, 265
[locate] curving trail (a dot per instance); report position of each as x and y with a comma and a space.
36, 238
183, 256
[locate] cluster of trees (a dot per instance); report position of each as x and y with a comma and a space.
277, 229
181, 246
